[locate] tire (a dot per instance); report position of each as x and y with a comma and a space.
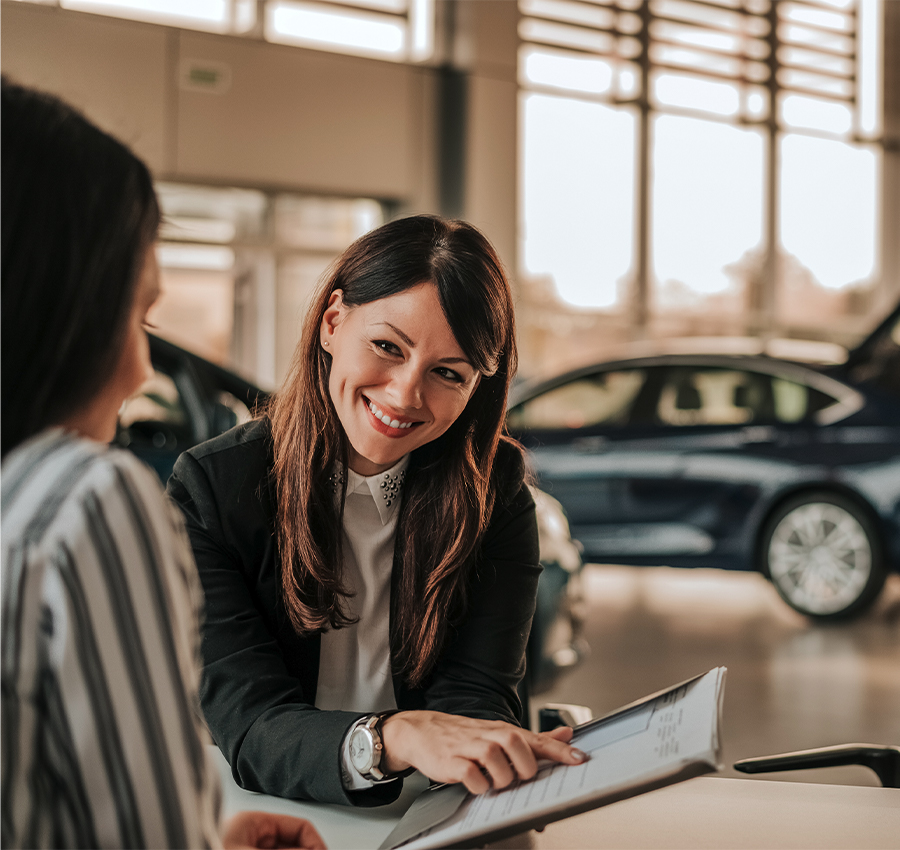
823, 553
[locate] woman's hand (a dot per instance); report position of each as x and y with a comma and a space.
268, 830
481, 754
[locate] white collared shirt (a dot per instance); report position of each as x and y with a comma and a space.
355, 662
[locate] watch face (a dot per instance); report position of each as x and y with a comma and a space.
361, 750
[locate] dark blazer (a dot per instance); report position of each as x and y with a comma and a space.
258, 687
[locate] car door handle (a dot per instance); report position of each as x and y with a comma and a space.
590, 445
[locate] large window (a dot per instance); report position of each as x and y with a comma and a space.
700, 166
397, 30
579, 199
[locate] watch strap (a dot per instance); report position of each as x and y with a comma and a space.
382, 716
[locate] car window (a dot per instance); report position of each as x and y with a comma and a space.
155, 416
718, 396
157, 400
881, 365
604, 398
238, 409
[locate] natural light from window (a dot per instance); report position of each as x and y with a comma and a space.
214, 15
707, 178
313, 25
397, 30
563, 71
578, 199
707, 202
828, 208
401, 30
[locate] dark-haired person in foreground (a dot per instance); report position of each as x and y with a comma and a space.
368, 549
102, 740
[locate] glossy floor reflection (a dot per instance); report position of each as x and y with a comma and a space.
791, 684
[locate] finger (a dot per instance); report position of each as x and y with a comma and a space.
561, 733
519, 753
276, 830
298, 833
310, 838
471, 776
494, 760
548, 747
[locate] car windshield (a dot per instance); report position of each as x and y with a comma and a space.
604, 398
881, 366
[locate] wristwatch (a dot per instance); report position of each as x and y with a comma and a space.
367, 747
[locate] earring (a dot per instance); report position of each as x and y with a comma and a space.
325, 342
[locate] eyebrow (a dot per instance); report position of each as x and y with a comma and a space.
411, 344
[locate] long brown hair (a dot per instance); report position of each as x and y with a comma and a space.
450, 484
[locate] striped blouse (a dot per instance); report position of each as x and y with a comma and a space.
102, 741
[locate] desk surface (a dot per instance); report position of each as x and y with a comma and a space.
709, 812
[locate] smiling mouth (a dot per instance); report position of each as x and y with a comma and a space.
382, 417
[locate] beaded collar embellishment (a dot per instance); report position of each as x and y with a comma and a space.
391, 485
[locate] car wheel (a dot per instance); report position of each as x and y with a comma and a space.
823, 554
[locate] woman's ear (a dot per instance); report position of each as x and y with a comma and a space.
331, 318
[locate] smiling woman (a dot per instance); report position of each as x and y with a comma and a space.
410, 385
369, 547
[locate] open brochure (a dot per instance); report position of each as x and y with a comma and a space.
659, 740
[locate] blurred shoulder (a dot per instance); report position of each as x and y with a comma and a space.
56, 466
57, 485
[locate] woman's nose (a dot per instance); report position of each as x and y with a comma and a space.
406, 387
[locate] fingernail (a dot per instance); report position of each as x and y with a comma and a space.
578, 755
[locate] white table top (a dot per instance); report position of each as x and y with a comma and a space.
709, 812
738, 814
342, 827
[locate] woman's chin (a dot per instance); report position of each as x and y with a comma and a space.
372, 463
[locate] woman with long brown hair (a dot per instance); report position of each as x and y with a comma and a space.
368, 547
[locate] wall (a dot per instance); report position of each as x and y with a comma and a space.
290, 119
486, 48
113, 70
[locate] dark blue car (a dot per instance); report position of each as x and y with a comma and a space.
736, 462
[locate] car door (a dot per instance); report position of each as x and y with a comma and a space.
673, 475
621, 475
737, 432
718, 425
587, 454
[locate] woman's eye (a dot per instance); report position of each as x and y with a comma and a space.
386, 346
450, 375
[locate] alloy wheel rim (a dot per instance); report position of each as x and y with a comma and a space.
820, 558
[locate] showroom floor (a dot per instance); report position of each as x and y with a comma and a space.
791, 684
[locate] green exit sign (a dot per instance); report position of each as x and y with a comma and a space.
202, 75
